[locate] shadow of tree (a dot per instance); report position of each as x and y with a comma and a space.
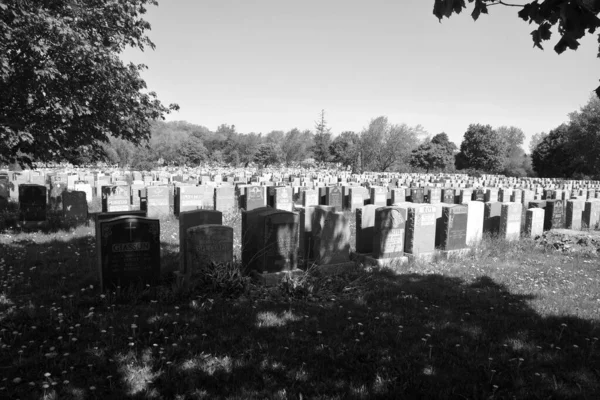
375, 335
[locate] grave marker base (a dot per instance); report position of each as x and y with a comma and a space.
368, 259
450, 254
274, 278
426, 257
335, 269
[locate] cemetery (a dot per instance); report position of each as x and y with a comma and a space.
147, 251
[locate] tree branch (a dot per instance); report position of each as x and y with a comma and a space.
500, 2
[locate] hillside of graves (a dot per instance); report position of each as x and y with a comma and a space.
297, 284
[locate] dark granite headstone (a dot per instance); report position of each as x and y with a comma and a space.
553, 216
189, 219
128, 252
453, 227
75, 207
491, 217
334, 197
32, 202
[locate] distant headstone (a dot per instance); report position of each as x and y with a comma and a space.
448, 196
356, 198
379, 196
417, 195
128, 252
334, 197
283, 198
310, 197
491, 195
478, 195
115, 198
434, 196
254, 198
224, 199
158, 201
397, 195
188, 198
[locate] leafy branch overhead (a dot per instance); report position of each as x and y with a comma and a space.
573, 18
64, 90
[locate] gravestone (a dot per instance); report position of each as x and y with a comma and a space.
32, 203
389, 232
224, 198
115, 198
591, 214
283, 198
434, 196
397, 195
420, 230
56, 190
504, 195
356, 198
334, 197
475, 211
417, 195
553, 215
534, 222
378, 196
128, 252
190, 219
448, 196
208, 202
310, 197
158, 203
250, 237
254, 198
478, 195
278, 236
188, 198
491, 195
365, 221
453, 227
207, 244
331, 239
491, 217
75, 208
510, 221
574, 214
465, 196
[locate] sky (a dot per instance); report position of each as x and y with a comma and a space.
265, 65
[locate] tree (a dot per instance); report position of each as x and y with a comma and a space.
345, 148
572, 17
322, 140
434, 155
63, 87
552, 157
584, 136
385, 146
295, 146
268, 154
192, 152
482, 149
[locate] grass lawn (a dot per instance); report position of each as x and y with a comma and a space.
512, 321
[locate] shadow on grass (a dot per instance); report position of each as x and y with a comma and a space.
374, 335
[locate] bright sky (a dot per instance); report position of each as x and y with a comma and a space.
266, 65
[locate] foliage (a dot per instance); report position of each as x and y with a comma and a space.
63, 88
482, 149
322, 140
572, 18
571, 149
516, 162
552, 157
435, 155
268, 154
345, 149
296, 145
385, 146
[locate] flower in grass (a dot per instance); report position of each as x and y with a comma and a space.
47, 374
65, 382
17, 380
92, 388
45, 386
31, 383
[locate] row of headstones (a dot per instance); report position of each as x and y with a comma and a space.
276, 241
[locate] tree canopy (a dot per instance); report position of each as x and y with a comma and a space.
64, 91
572, 18
434, 155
